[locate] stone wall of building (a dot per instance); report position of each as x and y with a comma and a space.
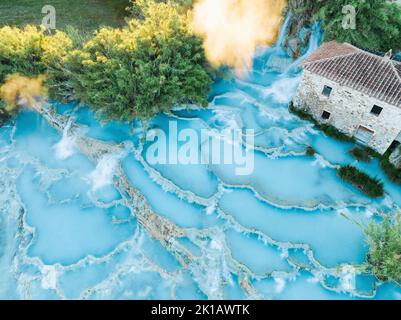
349, 110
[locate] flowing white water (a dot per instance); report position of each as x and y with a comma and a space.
66, 147
280, 89
283, 32
313, 45
103, 174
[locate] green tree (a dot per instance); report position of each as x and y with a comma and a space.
378, 22
136, 6
143, 69
384, 256
30, 50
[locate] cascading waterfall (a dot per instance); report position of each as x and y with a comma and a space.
283, 32
315, 40
66, 147
104, 172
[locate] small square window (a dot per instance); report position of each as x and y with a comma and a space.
376, 110
327, 91
326, 115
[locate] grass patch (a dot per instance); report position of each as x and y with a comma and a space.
328, 129
371, 187
361, 154
85, 15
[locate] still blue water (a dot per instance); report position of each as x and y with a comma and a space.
290, 230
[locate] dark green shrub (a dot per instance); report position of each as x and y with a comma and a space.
304, 115
369, 186
372, 152
378, 22
310, 152
333, 132
393, 173
384, 256
4, 115
361, 154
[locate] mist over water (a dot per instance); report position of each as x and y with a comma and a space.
21, 90
232, 29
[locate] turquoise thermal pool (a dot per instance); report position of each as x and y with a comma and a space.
83, 214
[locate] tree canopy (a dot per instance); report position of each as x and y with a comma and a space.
145, 68
384, 257
137, 71
30, 50
378, 22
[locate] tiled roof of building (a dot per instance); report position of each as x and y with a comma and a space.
376, 76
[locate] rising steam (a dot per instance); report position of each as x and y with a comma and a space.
232, 29
20, 90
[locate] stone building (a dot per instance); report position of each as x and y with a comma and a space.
356, 91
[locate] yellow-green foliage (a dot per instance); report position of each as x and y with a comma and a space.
19, 42
55, 48
147, 67
25, 55
30, 51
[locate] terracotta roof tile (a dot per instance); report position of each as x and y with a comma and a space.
376, 76
331, 49
398, 68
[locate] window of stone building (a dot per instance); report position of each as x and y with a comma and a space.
327, 91
376, 110
326, 115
